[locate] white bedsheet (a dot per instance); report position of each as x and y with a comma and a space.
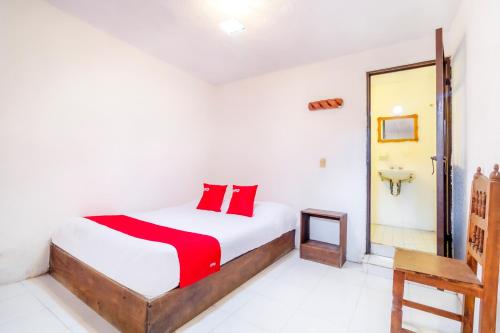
152, 268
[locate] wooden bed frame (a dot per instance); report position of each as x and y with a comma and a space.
131, 312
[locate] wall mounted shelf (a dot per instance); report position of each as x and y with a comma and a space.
325, 104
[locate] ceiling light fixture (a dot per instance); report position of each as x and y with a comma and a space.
232, 26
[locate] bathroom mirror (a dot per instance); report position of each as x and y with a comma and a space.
398, 129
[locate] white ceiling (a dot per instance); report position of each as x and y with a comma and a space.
280, 33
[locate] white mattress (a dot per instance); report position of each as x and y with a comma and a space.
152, 268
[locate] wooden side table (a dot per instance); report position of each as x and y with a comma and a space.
325, 253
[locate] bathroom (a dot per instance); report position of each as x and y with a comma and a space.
402, 191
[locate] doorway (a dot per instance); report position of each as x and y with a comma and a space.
401, 128
402, 136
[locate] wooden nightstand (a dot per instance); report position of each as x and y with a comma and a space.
325, 253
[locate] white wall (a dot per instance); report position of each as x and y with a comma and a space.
475, 47
88, 125
83, 115
268, 137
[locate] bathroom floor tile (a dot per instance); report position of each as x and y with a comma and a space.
407, 238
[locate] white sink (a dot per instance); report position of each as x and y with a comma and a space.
396, 175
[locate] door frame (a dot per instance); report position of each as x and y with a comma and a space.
368, 137
443, 149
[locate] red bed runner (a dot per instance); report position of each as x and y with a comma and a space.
199, 255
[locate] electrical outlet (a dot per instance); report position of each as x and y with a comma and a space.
322, 162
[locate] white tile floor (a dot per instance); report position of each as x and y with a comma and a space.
407, 238
293, 295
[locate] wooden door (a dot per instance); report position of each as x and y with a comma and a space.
443, 149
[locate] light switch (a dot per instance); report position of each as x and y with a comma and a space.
322, 162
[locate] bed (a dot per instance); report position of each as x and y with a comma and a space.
133, 283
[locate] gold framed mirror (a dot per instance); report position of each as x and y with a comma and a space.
398, 128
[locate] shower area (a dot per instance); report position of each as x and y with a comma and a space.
402, 170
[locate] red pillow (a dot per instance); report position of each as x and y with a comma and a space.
213, 196
242, 200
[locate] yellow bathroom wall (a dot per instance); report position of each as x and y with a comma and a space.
415, 207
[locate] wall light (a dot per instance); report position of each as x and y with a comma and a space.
398, 109
231, 26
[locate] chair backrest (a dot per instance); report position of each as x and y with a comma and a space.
484, 222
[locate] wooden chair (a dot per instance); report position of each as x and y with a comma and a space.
458, 275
